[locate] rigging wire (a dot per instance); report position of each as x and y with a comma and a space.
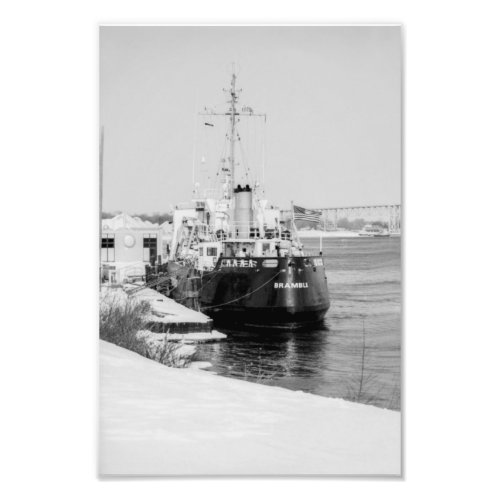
244, 162
243, 296
195, 134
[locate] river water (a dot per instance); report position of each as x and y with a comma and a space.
355, 354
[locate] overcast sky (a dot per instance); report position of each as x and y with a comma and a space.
332, 96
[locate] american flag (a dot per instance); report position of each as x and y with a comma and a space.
300, 213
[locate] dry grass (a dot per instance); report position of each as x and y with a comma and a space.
121, 318
367, 388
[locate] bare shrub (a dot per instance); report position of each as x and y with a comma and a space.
122, 321
120, 318
368, 395
395, 400
368, 388
167, 352
363, 390
171, 354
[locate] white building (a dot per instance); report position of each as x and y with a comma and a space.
127, 245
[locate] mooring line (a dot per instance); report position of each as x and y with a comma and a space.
243, 296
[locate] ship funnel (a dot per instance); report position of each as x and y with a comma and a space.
243, 211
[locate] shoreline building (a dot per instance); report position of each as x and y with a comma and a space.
128, 244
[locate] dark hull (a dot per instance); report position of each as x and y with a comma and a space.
282, 293
267, 318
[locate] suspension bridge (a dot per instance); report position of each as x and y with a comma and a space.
391, 214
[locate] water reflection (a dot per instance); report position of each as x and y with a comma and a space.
364, 286
266, 355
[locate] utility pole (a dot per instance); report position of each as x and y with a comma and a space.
101, 156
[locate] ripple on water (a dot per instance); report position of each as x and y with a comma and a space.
364, 281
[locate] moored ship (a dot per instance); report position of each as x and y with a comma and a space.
373, 231
233, 258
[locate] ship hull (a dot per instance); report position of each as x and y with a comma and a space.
270, 318
278, 293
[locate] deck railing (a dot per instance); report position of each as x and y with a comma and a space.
250, 231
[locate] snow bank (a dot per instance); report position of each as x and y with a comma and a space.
165, 310
109, 297
158, 420
125, 221
185, 338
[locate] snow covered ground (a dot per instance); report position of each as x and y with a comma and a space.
167, 310
156, 420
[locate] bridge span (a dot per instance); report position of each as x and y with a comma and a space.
391, 214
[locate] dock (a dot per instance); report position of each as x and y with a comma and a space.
175, 321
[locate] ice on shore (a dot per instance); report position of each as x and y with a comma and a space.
156, 420
187, 338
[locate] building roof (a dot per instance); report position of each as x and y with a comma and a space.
125, 221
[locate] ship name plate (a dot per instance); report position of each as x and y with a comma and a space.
238, 263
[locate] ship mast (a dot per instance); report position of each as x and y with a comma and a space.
233, 113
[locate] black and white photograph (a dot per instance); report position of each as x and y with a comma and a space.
250, 260
249, 250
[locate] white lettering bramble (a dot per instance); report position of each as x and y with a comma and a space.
291, 285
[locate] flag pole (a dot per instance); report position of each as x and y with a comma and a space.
321, 237
321, 242
294, 227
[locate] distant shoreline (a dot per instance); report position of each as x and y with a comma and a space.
314, 233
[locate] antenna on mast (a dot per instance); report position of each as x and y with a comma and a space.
195, 123
233, 112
